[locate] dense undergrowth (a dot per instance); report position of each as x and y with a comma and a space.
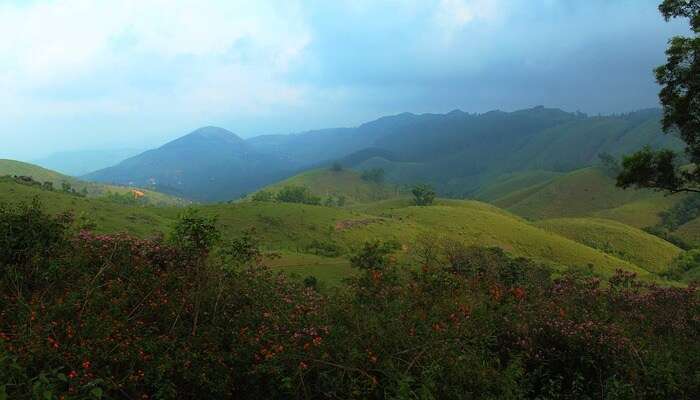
198, 316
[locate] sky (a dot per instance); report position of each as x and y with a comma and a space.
99, 74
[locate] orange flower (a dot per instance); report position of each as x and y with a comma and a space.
519, 293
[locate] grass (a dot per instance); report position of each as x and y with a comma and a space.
507, 184
298, 230
40, 174
586, 192
347, 183
331, 271
617, 239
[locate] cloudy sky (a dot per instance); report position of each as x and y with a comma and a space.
95, 74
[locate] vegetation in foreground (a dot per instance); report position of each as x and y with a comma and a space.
197, 316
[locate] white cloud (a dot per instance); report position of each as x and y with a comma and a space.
67, 45
455, 14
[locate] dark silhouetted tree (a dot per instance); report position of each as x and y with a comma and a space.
680, 97
423, 195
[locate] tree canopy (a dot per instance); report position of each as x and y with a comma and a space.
680, 98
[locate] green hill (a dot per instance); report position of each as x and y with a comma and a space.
460, 154
317, 239
346, 183
507, 184
92, 189
586, 192
617, 239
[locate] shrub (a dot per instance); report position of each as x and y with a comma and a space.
423, 195
297, 194
375, 175
263, 195
130, 318
374, 255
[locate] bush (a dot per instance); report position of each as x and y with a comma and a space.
374, 255
124, 317
297, 194
423, 195
30, 239
375, 175
263, 195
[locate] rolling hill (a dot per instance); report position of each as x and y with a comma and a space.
324, 236
586, 192
91, 189
460, 154
617, 239
346, 183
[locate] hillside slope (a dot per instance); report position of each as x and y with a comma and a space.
586, 192
92, 189
332, 233
459, 153
617, 239
209, 164
345, 183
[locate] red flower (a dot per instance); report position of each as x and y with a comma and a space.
302, 365
519, 293
86, 364
72, 375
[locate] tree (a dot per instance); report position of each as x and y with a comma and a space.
263, 195
423, 195
337, 166
680, 98
297, 194
374, 256
375, 175
195, 234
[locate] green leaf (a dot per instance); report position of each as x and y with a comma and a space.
96, 392
3, 392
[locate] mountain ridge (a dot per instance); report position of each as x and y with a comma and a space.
456, 152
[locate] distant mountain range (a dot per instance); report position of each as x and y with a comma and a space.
81, 162
457, 152
209, 164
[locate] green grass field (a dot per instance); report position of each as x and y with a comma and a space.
11, 167
617, 239
586, 193
510, 183
316, 240
347, 183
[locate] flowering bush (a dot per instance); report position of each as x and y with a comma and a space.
120, 317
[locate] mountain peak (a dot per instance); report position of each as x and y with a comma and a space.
211, 135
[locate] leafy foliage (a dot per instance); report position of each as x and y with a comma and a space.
423, 195
375, 175
374, 255
263, 195
475, 322
680, 96
195, 234
297, 194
